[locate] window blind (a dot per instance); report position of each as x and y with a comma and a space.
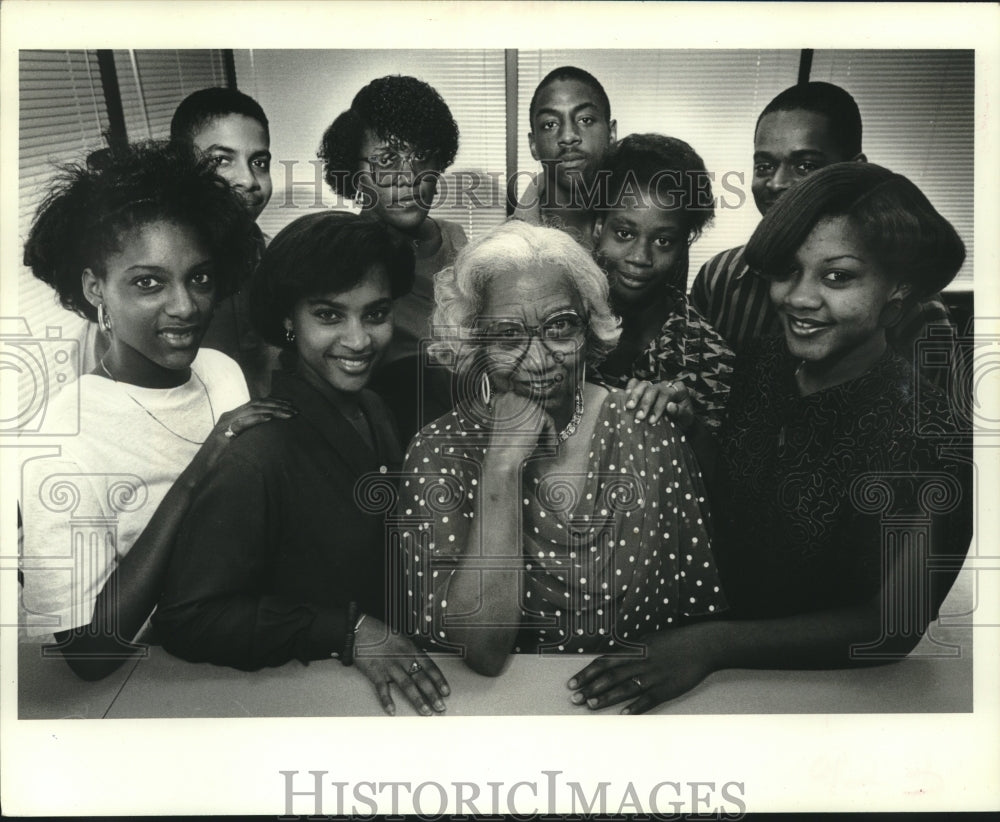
154, 81
303, 91
917, 110
61, 118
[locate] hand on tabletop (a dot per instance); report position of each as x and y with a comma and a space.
676, 660
389, 659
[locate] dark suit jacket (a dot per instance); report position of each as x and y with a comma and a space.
274, 548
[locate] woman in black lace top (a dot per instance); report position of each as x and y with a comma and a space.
843, 491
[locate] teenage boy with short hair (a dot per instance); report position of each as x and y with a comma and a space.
571, 131
230, 130
804, 128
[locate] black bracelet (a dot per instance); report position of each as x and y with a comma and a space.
352, 619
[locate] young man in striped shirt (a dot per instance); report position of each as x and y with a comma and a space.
804, 128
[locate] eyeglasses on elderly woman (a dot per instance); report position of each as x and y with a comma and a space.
513, 334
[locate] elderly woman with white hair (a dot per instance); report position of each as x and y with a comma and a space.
539, 514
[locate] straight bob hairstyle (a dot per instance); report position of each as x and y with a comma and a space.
330, 251
514, 246
907, 237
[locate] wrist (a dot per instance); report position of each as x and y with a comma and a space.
502, 463
713, 639
353, 622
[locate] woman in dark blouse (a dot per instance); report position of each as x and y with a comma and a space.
843, 496
276, 559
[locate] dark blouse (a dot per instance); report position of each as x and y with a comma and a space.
811, 489
274, 546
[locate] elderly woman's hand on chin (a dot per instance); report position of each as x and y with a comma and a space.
518, 426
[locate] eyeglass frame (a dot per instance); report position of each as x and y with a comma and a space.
404, 157
523, 343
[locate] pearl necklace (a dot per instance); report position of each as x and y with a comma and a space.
208, 397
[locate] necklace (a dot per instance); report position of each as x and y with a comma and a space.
208, 397
574, 422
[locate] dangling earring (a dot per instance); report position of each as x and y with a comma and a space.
486, 391
103, 320
289, 335
360, 201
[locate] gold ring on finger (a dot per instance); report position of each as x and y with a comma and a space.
415, 668
637, 682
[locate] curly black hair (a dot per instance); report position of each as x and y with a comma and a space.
397, 109
665, 167
317, 253
90, 208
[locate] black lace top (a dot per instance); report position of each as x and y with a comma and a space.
815, 493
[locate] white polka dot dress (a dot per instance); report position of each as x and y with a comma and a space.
608, 557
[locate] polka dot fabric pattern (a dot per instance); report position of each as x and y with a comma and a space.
608, 556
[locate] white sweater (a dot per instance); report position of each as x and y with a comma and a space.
84, 509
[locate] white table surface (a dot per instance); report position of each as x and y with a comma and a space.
159, 685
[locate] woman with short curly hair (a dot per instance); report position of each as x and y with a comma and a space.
143, 242
545, 518
387, 152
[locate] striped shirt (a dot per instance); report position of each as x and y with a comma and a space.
734, 299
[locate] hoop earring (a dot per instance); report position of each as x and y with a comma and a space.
360, 201
103, 320
289, 335
486, 391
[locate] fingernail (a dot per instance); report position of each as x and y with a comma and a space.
652, 419
571, 683
576, 699
391, 710
640, 415
445, 690
438, 705
630, 404
625, 711
425, 710
592, 703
